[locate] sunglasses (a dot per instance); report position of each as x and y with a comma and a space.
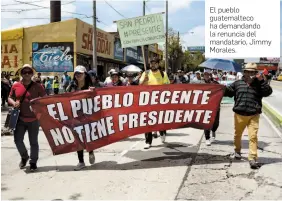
27, 72
78, 73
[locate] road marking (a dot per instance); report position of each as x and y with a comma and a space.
273, 126
273, 108
130, 148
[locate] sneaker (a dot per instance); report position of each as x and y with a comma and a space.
79, 166
33, 167
23, 163
212, 139
163, 138
238, 156
208, 142
147, 146
91, 158
254, 164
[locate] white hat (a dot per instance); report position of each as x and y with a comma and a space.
198, 72
111, 71
80, 69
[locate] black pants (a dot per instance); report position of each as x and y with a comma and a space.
80, 155
56, 90
33, 129
214, 127
149, 136
4, 96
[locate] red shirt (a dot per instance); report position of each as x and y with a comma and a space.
35, 91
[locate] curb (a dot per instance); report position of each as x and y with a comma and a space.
274, 116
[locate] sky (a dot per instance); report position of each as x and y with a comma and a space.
185, 16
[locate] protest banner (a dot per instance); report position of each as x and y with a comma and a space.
95, 118
139, 31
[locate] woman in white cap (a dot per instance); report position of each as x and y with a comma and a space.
81, 81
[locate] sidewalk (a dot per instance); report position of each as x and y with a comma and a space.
215, 176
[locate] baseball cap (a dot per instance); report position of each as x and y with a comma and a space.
80, 69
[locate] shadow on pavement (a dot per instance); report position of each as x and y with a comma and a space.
75, 196
3, 187
169, 159
244, 143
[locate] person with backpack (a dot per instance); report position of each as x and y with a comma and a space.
154, 76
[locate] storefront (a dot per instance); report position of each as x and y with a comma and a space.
11, 51
57, 47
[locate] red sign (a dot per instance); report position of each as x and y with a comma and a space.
93, 119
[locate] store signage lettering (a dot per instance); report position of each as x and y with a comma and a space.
8, 59
103, 45
50, 54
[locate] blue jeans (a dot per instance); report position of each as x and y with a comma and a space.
33, 129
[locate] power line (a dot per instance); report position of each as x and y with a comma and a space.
39, 7
15, 4
115, 10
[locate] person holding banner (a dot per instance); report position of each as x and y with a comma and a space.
81, 81
115, 80
20, 96
154, 76
248, 93
208, 79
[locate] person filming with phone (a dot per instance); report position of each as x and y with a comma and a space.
248, 93
20, 96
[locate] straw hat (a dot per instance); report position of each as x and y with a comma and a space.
251, 67
25, 66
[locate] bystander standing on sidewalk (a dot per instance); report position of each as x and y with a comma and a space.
248, 93
56, 85
27, 120
65, 81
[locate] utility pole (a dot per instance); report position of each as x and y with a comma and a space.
166, 38
94, 39
178, 38
145, 47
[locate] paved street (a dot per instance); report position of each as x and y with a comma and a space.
125, 171
275, 99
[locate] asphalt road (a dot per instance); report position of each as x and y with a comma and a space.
125, 171
275, 99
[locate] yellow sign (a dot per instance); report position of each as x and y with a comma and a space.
11, 51
105, 41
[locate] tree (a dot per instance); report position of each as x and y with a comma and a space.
175, 52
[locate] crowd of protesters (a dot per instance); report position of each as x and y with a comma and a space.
247, 89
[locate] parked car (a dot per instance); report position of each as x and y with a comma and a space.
279, 78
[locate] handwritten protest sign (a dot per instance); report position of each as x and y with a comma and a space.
145, 30
93, 119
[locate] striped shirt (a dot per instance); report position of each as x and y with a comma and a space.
248, 98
